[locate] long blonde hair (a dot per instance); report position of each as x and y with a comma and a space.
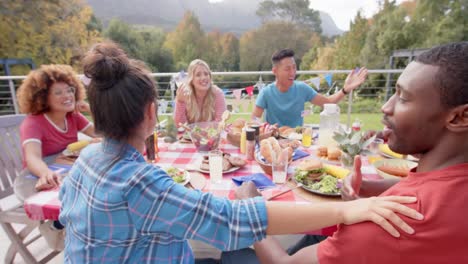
207, 112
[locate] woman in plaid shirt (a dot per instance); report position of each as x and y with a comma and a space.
118, 208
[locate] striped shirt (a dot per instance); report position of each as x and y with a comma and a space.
118, 208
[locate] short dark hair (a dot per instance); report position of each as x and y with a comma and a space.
119, 90
281, 54
452, 75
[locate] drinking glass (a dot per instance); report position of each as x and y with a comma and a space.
280, 167
216, 166
374, 150
374, 146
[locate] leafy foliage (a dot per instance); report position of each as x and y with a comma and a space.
294, 11
257, 46
47, 31
351, 143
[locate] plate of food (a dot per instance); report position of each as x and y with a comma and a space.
394, 168
73, 150
290, 133
385, 151
180, 176
230, 164
312, 175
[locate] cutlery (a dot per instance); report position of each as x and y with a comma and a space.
285, 191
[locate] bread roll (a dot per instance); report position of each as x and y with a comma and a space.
239, 123
400, 171
270, 149
334, 153
322, 151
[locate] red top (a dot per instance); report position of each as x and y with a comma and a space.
38, 128
442, 237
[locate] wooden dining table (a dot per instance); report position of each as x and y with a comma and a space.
46, 205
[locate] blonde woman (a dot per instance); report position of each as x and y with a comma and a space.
199, 100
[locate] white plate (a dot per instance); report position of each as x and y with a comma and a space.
72, 154
326, 160
408, 157
232, 169
187, 176
393, 162
338, 194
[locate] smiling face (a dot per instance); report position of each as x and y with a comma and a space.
61, 97
414, 115
201, 78
285, 72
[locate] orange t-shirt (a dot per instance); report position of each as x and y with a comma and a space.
442, 237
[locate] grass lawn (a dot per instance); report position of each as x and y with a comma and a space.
368, 121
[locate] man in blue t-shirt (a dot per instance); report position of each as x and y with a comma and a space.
284, 99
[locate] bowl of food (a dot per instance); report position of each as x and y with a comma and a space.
269, 150
394, 168
205, 135
234, 131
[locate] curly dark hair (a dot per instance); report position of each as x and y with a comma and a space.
119, 90
33, 92
452, 75
281, 54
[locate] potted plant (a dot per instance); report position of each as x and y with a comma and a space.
351, 144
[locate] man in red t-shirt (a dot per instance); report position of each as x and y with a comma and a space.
427, 115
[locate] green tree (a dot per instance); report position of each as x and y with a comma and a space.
350, 44
186, 42
47, 31
294, 11
212, 50
230, 52
127, 37
257, 46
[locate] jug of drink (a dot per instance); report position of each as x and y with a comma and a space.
329, 122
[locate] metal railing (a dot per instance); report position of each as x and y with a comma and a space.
379, 85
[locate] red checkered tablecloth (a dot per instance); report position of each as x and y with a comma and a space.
46, 205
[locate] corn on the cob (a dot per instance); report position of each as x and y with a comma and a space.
77, 146
386, 150
336, 171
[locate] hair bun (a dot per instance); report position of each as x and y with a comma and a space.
105, 64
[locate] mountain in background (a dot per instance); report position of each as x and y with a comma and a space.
235, 16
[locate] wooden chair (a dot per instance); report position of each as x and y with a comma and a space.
10, 167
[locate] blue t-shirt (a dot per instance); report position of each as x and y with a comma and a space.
285, 108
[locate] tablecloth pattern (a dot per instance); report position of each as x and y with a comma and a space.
46, 205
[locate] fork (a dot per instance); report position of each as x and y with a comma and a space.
285, 191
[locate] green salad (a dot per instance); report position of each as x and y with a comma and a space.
176, 174
326, 184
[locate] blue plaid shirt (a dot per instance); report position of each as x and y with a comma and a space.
118, 208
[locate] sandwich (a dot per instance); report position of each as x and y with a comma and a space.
309, 170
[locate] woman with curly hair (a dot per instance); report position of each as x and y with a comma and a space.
51, 97
199, 100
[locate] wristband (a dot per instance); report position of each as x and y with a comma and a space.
344, 92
